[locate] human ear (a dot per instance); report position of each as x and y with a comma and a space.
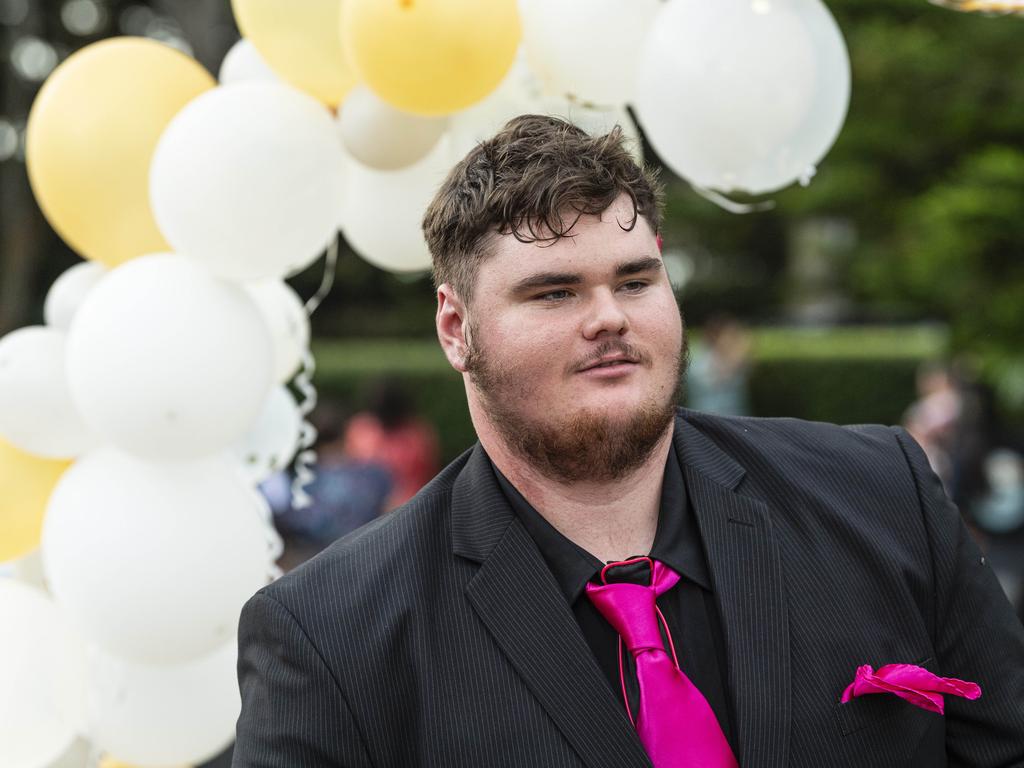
451, 321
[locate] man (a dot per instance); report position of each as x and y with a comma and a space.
604, 580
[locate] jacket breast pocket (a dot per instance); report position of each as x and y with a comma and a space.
875, 708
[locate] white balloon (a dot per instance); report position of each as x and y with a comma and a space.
37, 413
243, 62
382, 219
272, 441
68, 291
382, 137
519, 93
28, 569
339, 212
587, 48
41, 678
164, 714
743, 95
77, 755
247, 179
285, 316
167, 361
154, 561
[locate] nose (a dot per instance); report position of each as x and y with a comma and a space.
605, 315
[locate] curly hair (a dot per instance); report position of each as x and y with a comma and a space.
534, 179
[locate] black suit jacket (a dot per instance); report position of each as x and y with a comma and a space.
437, 636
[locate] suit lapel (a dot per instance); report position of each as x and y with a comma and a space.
519, 603
746, 572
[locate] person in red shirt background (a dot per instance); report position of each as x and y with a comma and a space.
390, 434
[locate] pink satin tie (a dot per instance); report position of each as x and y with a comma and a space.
674, 721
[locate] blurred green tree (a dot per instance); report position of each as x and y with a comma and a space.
960, 255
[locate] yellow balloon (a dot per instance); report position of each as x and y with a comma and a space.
109, 762
90, 138
26, 482
431, 57
299, 40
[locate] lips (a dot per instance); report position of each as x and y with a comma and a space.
609, 363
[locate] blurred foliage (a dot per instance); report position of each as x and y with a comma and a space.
842, 390
961, 255
850, 343
367, 302
849, 375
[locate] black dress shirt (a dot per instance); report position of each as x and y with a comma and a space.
689, 607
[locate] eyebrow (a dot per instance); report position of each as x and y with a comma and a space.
645, 264
548, 279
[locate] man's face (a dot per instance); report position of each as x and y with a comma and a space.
575, 346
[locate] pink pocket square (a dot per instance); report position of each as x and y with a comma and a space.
915, 684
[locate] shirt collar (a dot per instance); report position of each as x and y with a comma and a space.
677, 542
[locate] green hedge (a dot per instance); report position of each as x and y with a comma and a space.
847, 391
843, 376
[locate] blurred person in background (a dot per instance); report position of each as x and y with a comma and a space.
1001, 510
932, 419
1000, 515
952, 421
974, 436
716, 380
345, 492
390, 434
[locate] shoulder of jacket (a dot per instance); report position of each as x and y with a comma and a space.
381, 550
797, 440
786, 426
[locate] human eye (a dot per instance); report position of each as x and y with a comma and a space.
553, 296
634, 286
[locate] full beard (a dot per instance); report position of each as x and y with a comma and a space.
583, 445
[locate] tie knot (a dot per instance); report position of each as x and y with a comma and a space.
637, 570
631, 607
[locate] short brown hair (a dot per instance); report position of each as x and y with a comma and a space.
522, 181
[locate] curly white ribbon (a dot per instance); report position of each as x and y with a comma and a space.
731, 205
274, 542
305, 458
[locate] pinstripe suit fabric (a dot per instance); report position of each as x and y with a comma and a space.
437, 636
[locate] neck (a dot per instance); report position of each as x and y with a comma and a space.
612, 520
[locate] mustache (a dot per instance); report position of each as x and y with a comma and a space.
618, 346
